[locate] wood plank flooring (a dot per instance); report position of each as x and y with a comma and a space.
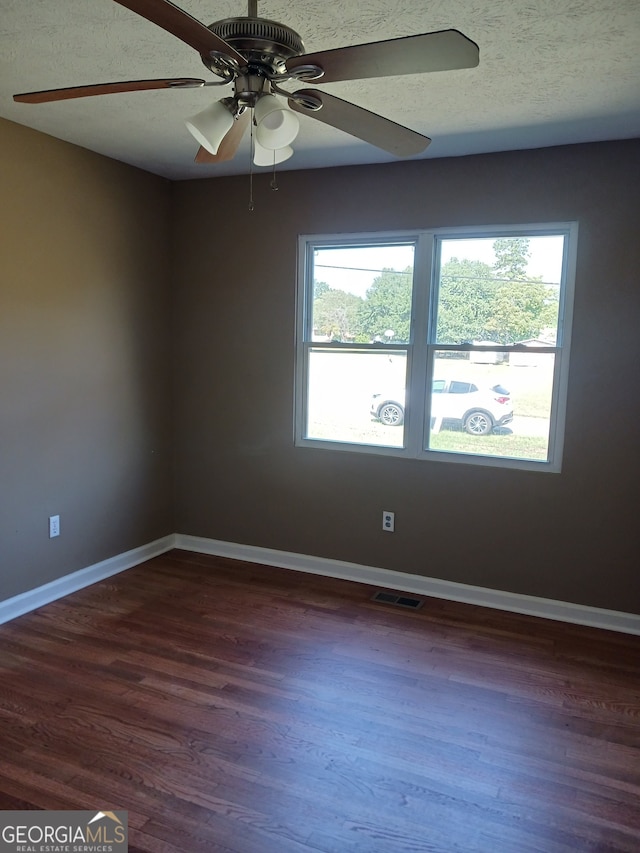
236, 708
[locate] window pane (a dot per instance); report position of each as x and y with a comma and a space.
499, 290
362, 294
357, 396
481, 353
505, 410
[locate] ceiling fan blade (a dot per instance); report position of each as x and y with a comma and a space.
106, 89
440, 51
182, 25
370, 127
229, 145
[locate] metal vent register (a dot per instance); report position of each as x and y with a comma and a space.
398, 600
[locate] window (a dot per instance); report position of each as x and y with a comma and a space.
444, 345
461, 387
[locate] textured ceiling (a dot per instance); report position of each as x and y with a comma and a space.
551, 72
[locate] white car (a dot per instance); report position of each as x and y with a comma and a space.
478, 409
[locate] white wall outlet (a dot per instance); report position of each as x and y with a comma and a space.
54, 526
388, 521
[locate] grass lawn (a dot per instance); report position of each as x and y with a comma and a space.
451, 440
518, 446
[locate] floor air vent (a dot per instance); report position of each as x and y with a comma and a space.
398, 600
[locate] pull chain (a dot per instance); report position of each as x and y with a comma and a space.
274, 183
251, 146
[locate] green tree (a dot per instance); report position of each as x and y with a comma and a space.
522, 305
336, 314
319, 288
479, 302
388, 306
464, 306
517, 311
512, 257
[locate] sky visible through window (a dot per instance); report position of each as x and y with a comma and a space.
353, 270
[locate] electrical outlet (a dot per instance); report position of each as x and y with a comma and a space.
54, 526
388, 521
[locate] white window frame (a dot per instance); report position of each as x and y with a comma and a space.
422, 344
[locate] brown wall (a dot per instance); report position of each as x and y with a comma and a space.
89, 330
84, 358
571, 536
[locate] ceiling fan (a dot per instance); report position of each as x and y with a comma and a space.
257, 56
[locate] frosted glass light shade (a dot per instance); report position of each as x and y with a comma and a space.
211, 126
277, 125
264, 157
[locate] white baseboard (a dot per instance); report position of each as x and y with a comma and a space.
563, 611
11, 608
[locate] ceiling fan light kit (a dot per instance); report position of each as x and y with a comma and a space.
210, 126
257, 56
268, 157
276, 125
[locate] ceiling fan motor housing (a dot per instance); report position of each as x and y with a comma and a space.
262, 42
257, 55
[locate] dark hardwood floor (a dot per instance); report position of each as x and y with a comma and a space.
233, 707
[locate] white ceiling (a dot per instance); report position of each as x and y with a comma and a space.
551, 72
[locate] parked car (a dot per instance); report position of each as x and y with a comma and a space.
478, 409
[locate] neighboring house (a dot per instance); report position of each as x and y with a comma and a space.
488, 357
522, 358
